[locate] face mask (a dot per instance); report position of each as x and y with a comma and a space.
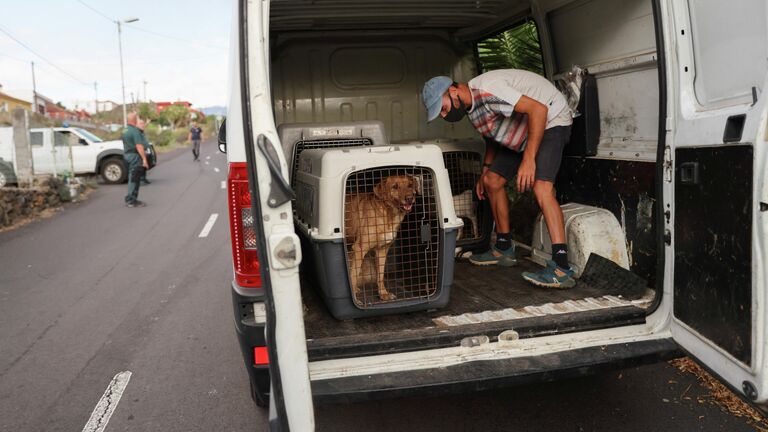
456, 113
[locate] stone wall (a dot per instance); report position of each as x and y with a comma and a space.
17, 204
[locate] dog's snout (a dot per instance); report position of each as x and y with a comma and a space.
409, 199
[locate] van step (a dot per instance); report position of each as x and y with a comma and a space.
486, 375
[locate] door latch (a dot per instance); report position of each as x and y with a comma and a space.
763, 207
668, 164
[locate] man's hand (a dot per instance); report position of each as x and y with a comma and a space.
480, 187
526, 174
145, 163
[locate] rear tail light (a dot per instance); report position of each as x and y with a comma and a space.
242, 229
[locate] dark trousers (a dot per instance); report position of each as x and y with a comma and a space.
196, 148
135, 171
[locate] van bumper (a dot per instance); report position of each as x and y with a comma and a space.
487, 375
250, 334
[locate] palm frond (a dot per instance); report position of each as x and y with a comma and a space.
517, 48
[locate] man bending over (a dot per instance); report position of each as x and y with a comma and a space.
525, 122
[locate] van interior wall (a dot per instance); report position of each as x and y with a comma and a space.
334, 77
340, 76
615, 40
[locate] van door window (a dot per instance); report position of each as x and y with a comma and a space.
724, 71
62, 139
516, 48
36, 139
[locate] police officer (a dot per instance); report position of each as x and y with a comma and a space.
135, 159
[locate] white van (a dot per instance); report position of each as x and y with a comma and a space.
680, 163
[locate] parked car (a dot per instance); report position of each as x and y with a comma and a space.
679, 165
51, 152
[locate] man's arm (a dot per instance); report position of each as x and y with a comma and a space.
537, 122
140, 151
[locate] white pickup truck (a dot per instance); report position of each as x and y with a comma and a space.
51, 149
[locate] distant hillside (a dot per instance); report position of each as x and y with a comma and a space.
214, 110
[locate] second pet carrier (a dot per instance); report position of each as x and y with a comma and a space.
297, 137
463, 160
379, 227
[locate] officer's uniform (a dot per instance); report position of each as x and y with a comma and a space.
132, 136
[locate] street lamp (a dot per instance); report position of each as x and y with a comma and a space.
120, 45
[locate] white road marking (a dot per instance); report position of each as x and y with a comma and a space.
223, 184
208, 225
108, 402
216, 169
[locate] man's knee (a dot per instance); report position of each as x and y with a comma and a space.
493, 182
543, 189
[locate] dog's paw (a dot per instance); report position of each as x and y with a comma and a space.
387, 296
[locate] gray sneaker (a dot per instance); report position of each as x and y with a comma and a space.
495, 257
136, 203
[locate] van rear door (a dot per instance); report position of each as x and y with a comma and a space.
279, 250
715, 187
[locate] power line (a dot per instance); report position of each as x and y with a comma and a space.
42, 57
187, 41
96, 10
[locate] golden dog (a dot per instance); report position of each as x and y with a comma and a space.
371, 222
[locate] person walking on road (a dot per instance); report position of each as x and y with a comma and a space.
135, 159
526, 123
195, 134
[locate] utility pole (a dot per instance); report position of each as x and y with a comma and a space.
96, 97
34, 90
122, 74
145, 91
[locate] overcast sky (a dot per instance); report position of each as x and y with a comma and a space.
191, 67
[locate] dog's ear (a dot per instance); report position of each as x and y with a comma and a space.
417, 184
380, 189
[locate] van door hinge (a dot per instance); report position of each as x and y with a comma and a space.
668, 164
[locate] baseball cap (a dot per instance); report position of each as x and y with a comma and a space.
432, 95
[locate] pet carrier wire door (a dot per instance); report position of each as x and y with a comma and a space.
391, 235
464, 162
389, 225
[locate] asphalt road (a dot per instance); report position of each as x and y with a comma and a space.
101, 289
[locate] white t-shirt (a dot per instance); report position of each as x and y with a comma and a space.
510, 84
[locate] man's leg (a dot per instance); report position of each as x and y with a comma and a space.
553, 215
133, 181
558, 273
494, 182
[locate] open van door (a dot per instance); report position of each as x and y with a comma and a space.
279, 250
715, 191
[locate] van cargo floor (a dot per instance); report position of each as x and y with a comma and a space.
484, 300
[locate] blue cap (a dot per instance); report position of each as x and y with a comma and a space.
432, 95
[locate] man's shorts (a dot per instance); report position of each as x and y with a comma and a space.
548, 157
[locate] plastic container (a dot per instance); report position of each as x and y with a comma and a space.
588, 230
336, 190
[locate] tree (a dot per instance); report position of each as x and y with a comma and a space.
175, 115
147, 111
517, 48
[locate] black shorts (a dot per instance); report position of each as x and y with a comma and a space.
548, 157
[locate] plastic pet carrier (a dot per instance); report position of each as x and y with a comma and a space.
588, 230
379, 228
464, 161
297, 137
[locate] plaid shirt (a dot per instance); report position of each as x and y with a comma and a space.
496, 119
